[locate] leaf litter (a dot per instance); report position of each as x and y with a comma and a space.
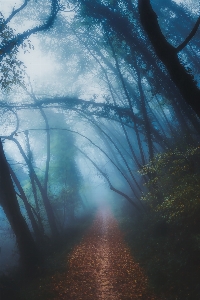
101, 267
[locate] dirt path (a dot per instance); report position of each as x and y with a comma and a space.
101, 266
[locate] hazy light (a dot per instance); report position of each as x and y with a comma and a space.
39, 65
7, 6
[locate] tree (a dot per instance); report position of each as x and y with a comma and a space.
140, 93
177, 173
65, 178
11, 69
27, 249
10, 43
169, 54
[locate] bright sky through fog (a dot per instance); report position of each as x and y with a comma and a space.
6, 6
40, 65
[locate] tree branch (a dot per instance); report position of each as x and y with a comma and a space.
32, 95
14, 12
168, 55
99, 109
18, 40
116, 147
114, 164
190, 36
14, 132
108, 181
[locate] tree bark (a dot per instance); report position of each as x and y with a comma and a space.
31, 176
46, 201
183, 80
28, 251
145, 116
168, 55
38, 233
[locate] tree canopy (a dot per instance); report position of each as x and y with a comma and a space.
100, 93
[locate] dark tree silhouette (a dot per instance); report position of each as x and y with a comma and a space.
168, 54
27, 249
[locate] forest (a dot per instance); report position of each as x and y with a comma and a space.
100, 130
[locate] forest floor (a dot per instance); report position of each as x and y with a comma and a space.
101, 267
106, 258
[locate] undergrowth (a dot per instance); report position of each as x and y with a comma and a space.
17, 287
169, 255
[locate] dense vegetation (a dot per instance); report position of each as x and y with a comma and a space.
166, 240
118, 107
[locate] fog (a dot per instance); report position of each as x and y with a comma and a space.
93, 113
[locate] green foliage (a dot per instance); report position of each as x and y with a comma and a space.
167, 239
11, 68
174, 187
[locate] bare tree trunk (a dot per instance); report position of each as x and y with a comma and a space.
47, 204
31, 176
38, 233
145, 116
28, 251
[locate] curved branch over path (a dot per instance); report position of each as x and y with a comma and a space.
90, 108
183, 80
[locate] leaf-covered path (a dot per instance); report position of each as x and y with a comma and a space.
101, 266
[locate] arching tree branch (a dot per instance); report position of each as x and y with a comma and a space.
101, 110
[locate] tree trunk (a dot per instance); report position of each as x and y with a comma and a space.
168, 55
38, 233
46, 201
145, 116
27, 249
31, 176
